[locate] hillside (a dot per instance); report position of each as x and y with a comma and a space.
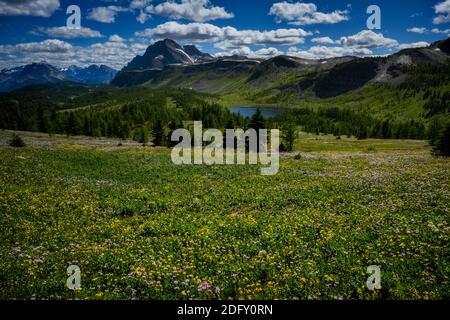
318, 78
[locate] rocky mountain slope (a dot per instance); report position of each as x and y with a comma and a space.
324, 78
164, 53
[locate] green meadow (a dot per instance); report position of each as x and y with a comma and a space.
140, 227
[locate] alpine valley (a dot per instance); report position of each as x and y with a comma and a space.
403, 95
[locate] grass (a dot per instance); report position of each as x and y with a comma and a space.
329, 143
140, 227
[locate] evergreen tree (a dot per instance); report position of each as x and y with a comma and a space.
73, 125
257, 121
434, 129
54, 125
386, 130
173, 125
42, 122
230, 124
141, 135
290, 134
443, 144
160, 137
362, 133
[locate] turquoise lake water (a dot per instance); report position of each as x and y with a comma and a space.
249, 111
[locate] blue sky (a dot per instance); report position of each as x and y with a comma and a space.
114, 31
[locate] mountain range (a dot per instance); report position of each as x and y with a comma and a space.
404, 95
43, 73
94, 74
166, 63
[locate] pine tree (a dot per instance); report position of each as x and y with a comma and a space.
42, 122
141, 135
362, 133
160, 138
434, 129
73, 125
173, 126
257, 121
230, 124
290, 135
443, 144
54, 125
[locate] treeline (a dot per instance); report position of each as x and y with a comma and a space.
151, 115
340, 122
144, 120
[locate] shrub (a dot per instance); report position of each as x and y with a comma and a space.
141, 135
16, 141
283, 147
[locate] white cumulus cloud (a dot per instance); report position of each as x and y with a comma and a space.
368, 39
194, 10
264, 53
116, 38
420, 44
62, 54
191, 31
224, 37
68, 33
106, 14
439, 31
417, 30
40, 8
323, 40
301, 13
442, 10
323, 52
47, 46
139, 4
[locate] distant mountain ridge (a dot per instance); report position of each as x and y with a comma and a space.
35, 73
166, 63
43, 73
94, 74
163, 64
